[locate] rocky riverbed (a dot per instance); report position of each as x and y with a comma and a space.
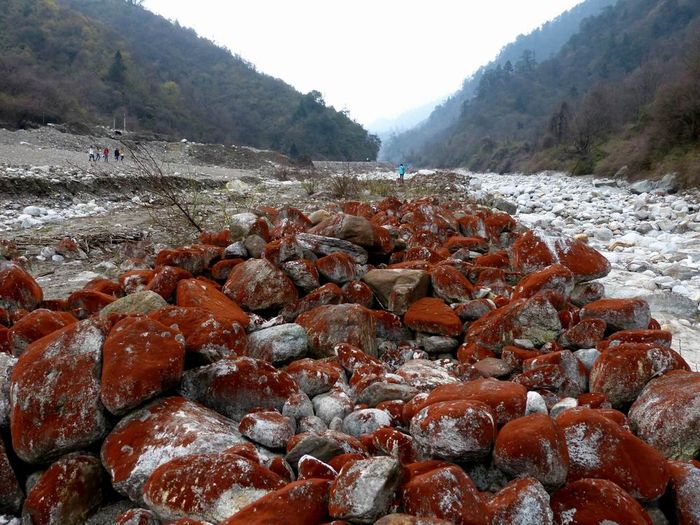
461, 348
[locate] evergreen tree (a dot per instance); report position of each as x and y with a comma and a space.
117, 71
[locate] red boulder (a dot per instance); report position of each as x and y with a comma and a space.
210, 487
141, 359
18, 289
589, 501
55, 393
258, 285
431, 315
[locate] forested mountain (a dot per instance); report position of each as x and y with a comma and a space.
543, 43
624, 91
89, 61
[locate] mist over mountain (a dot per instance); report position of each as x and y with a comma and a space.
87, 62
544, 42
623, 92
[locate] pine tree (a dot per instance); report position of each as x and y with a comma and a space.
117, 71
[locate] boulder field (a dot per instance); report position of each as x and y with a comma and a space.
423, 362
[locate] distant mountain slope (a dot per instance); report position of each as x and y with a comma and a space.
623, 91
544, 42
89, 61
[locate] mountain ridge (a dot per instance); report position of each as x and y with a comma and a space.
90, 61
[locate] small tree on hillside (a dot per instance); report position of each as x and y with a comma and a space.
117, 71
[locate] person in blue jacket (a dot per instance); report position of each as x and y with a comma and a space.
402, 172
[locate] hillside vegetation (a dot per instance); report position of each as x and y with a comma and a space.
542, 43
623, 91
92, 61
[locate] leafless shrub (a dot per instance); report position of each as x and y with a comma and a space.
344, 186
178, 205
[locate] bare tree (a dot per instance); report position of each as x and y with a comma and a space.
162, 185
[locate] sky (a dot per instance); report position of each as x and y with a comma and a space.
373, 58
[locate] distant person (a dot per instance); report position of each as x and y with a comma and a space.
116, 154
91, 155
106, 154
402, 172
98, 156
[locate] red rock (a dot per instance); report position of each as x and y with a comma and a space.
303, 274
211, 487
270, 429
327, 294
654, 337
200, 294
449, 284
594, 400
534, 252
493, 260
351, 358
68, 492
314, 376
498, 223
533, 446
235, 386
685, 479
357, 292
84, 303
11, 494
619, 314
221, 238
521, 501
205, 335
165, 279
573, 372
623, 371
55, 393
166, 429
221, 270
433, 316
194, 259
461, 430
473, 244
585, 334
588, 501
105, 286
544, 377
338, 268
507, 400
36, 325
328, 326
18, 289
534, 319
258, 285
283, 249
473, 353
312, 468
141, 359
365, 489
444, 492
515, 356
666, 414
339, 461
555, 277
394, 443
422, 254
135, 280
307, 498
600, 448
361, 209
137, 517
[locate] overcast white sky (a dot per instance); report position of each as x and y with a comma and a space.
375, 58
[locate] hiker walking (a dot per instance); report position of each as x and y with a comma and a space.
402, 172
91, 154
106, 154
116, 154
